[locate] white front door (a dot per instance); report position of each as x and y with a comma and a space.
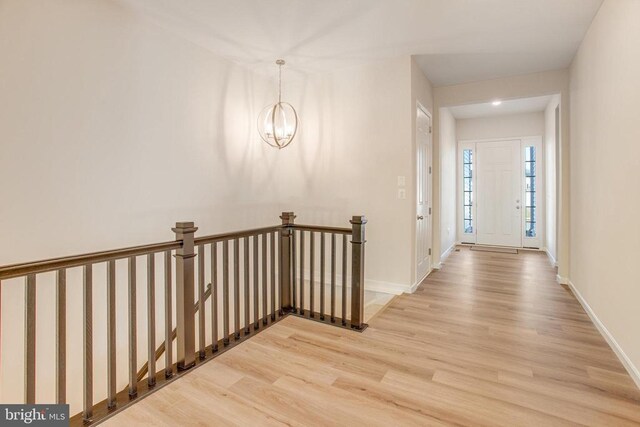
423, 196
499, 193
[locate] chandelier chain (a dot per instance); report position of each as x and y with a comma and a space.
279, 83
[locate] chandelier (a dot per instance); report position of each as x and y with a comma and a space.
278, 123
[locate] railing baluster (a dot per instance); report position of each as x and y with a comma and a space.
61, 336
201, 311
294, 280
87, 339
168, 317
30, 340
264, 278
322, 268
301, 271
273, 275
333, 277
344, 280
256, 293
312, 247
225, 292
236, 287
111, 334
214, 296
247, 297
151, 319
133, 346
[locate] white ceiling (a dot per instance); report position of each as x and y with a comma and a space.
454, 41
513, 106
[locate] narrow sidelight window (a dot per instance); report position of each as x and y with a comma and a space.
467, 188
530, 191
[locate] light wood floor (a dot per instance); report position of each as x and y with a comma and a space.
491, 339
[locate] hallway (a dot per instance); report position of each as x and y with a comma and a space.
491, 339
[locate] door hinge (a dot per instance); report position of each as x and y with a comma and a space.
429, 251
429, 169
429, 211
429, 129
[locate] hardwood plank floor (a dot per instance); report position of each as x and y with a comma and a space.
491, 339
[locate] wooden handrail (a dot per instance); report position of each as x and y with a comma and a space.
53, 264
36, 267
322, 229
234, 235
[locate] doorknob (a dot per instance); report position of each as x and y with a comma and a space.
517, 207
420, 217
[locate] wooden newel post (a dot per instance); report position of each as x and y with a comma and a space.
185, 312
357, 271
285, 261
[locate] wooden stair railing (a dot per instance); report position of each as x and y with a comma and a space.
260, 271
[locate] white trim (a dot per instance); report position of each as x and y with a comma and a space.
469, 245
445, 255
562, 280
466, 141
369, 284
633, 371
466, 237
525, 242
387, 287
430, 237
537, 143
553, 261
413, 287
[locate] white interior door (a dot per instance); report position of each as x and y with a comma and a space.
498, 207
423, 196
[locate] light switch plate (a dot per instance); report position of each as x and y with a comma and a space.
401, 181
402, 193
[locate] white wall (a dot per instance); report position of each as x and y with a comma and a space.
356, 140
506, 126
448, 171
536, 84
605, 159
112, 130
550, 167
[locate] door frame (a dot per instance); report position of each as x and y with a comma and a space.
536, 140
421, 108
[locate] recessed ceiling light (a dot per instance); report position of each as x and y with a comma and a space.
496, 103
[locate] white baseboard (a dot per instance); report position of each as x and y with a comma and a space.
387, 287
562, 280
446, 254
413, 287
369, 284
551, 258
624, 359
